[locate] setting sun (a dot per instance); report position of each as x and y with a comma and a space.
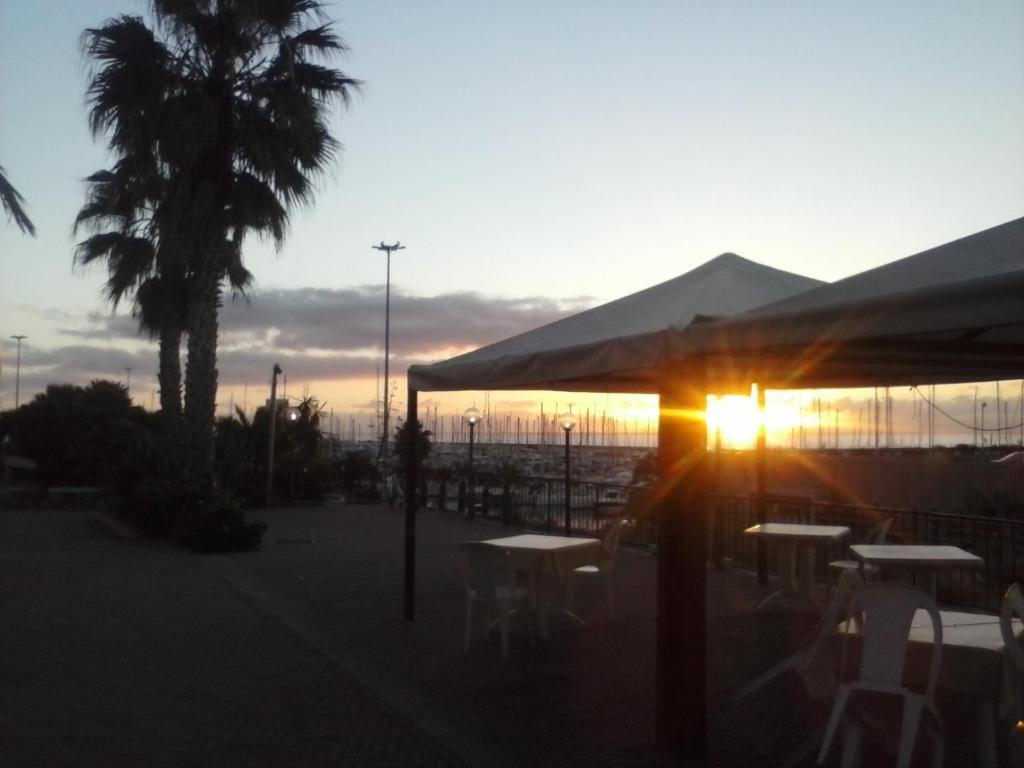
733, 418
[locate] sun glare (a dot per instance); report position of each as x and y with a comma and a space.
733, 418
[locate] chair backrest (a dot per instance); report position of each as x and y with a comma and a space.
1012, 608
489, 567
879, 532
817, 673
886, 612
610, 539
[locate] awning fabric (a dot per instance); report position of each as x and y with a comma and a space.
951, 313
618, 346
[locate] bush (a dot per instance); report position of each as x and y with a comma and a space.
218, 524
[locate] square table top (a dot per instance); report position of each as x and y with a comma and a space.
798, 531
915, 555
542, 542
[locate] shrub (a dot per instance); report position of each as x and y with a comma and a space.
218, 524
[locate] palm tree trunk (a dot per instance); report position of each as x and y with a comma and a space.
169, 377
170, 373
201, 382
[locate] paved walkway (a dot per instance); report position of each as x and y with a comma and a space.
128, 652
117, 653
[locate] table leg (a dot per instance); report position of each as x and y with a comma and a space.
538, 602
787, 567
807, 576
986, 725
794, 595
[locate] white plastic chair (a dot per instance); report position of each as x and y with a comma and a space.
603, 566
871, 572
886, 613
490, 578
818, 676
1013, 608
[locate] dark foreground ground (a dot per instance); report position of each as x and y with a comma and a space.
119, 651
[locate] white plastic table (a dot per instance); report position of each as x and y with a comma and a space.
540, 555
794, 539
973, 664
932, 558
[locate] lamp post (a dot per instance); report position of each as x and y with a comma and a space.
567, 421
472, 418
397, 246
273, 423
17, 372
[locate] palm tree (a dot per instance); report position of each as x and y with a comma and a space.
14, 205
228, 99
118, 210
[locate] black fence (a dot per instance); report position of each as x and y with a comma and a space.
538, 503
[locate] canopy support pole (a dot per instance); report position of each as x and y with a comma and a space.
760, 471
412, 425
682, 513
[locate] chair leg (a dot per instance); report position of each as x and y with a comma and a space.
912, 708
838, 709
469, 622
938, 749
503, 617
611, 597
851, 744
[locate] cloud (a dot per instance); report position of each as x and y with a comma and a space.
316, 334
352, 320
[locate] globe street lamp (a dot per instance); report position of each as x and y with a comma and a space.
567, 421
472, 418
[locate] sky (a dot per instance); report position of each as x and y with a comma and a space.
537, 158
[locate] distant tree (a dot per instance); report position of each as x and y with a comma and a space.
82, 435
14, 205
227, 99
404, 444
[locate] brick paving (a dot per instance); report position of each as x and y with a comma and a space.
119, 652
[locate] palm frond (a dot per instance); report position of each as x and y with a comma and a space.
14, 205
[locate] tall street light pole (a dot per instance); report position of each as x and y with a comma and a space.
567, 421
17, 372
273, 424
397, 246
472, 418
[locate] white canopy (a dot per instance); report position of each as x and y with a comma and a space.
618, 346
951, 313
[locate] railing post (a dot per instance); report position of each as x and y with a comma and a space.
442, 495
547, 507
460, 506
718, 532
762, 550
485, 502
506, 504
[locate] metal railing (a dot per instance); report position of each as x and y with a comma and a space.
998, 541
538, 503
